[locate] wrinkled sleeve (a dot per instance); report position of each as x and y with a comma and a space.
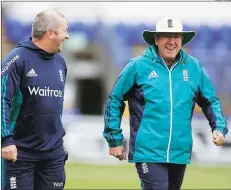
115, 105
10, 77
211, 106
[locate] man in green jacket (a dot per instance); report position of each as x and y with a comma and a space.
162, 87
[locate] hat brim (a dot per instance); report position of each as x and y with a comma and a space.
149, 36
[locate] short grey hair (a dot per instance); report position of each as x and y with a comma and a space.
48, 19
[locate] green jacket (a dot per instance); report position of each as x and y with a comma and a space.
161, 103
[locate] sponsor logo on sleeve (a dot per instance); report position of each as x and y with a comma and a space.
7, 66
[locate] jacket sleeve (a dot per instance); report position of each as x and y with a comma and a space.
10, 77
114, 107
211, 106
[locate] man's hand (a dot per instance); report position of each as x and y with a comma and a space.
218, 138
118, 152
10, 152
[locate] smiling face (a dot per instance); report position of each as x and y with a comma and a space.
59, 36
169, 45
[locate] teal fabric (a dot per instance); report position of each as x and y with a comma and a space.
15, 108
164, 134
5, 132
14, 111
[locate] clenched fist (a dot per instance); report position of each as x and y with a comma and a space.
10, 152
118, 152
218, 138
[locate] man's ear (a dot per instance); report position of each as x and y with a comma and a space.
49, 34
155, 39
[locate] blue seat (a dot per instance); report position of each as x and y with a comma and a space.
136, 34
225, 35
122, 30
91, 31
26, 28
221, 51
14, 30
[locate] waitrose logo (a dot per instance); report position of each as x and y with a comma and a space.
6, 67
45, 92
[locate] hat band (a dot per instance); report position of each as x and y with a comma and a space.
170, 30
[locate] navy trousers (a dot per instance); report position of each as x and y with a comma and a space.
48, 174
158, 176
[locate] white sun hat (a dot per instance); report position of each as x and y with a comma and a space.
168, 25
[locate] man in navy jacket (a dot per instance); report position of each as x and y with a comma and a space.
33, 80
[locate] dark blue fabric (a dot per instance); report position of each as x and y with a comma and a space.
136, 109
3, 166
194, 102
36, 174
30, 45
160, 176
38, 130
206, 106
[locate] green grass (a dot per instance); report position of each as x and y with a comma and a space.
124, 176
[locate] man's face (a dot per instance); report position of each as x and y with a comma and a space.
60, 35
169, 45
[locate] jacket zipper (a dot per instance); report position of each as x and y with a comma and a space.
171, 106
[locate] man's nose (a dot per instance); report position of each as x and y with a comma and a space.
171, 39
67, 36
